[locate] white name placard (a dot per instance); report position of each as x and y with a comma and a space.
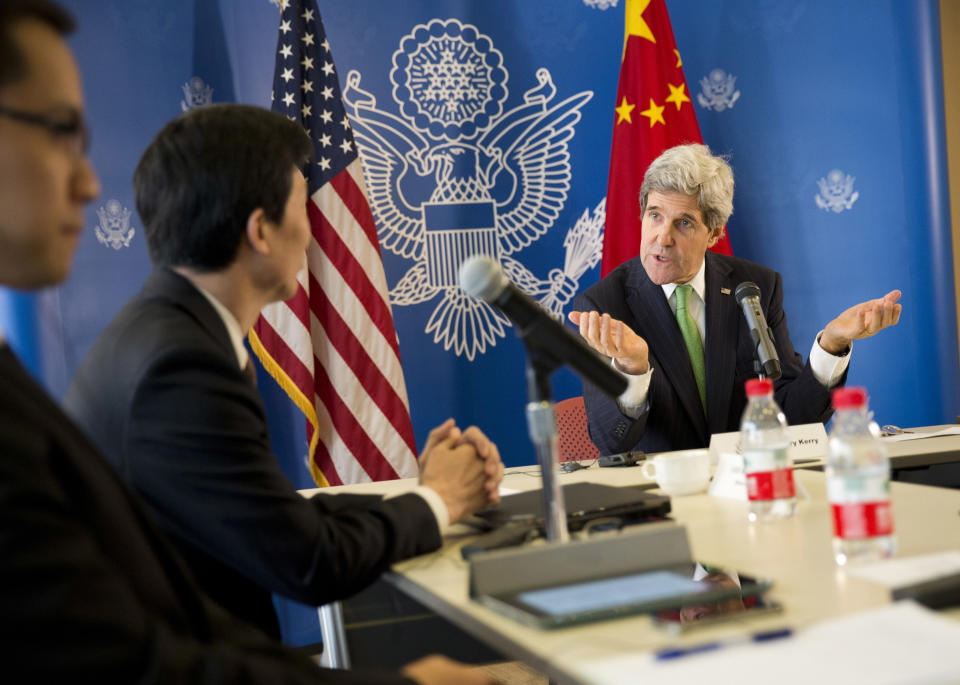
807, 441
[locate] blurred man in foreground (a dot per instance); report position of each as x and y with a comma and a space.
668, 319
90, 589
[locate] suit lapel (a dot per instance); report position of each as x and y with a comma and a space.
721, 350
657, 324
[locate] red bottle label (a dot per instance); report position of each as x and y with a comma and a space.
858, 520
764, 485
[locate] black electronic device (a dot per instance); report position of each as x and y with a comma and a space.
937, 593
519, 517
666, 589
507, 535
631, 458
584, 502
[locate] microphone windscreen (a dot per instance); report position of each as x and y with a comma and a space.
482, 277
745, 290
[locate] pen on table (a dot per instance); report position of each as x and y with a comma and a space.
891, 430
766, 636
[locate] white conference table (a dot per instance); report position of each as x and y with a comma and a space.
796, 553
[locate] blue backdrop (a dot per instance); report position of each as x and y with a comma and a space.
831, 112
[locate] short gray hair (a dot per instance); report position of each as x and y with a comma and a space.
693, 170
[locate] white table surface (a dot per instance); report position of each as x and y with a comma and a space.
795, 553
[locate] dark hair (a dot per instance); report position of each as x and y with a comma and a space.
13, 65
206, 172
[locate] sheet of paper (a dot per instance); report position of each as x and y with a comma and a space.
895, 573
898, 643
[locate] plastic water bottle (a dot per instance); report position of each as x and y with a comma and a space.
858, 482
766, 457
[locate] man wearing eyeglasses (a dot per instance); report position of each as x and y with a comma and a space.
90, 589
45, 177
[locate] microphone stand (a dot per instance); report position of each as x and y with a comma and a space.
757, 366
542, 426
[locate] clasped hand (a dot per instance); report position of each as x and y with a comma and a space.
463, 467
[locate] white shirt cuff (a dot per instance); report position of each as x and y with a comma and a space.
435, 502
632, 399
827, 368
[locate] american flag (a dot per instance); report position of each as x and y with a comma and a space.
333, 346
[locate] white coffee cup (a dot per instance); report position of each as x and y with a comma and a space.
680, 473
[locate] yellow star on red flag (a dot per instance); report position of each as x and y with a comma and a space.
634, 24
677, 95
654, 113
624, 110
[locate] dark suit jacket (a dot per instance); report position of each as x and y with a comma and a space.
161, 393
674, 417
90, 589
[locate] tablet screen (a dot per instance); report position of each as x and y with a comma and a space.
690, 590
610, 592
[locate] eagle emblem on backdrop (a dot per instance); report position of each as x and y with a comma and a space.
718, 91
114, 228
836, 192
196, 93
454, 174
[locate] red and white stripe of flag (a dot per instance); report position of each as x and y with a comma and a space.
333, 346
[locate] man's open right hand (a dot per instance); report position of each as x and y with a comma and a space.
615, 339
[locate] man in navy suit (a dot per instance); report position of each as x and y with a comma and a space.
91, 590
669, 320
164, 394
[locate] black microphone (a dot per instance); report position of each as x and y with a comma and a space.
748, 297
483, 278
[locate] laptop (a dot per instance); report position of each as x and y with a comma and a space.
584, 502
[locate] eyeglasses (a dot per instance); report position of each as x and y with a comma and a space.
69, 128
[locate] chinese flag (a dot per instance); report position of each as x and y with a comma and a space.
653, 112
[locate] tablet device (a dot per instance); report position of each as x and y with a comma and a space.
651, 590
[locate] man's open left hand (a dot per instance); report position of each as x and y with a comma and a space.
861, 321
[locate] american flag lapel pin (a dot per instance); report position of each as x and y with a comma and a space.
724, 291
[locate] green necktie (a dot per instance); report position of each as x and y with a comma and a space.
691, 337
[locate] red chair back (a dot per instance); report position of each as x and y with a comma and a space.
573, 441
